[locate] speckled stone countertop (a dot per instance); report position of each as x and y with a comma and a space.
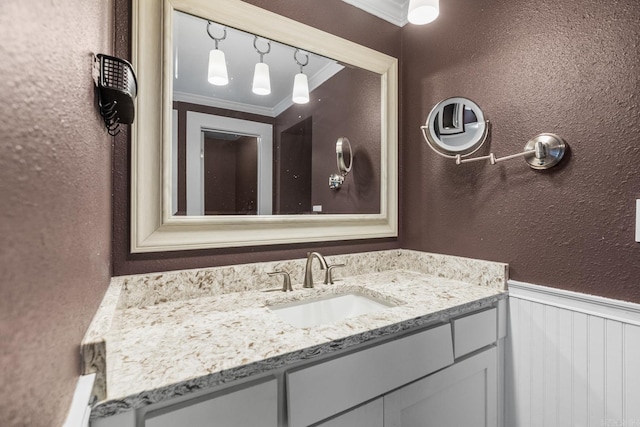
173, 333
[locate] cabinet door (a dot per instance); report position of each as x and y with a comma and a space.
318, 392
256, 405
464, 394
367, 415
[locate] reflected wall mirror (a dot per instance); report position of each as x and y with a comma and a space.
344, 160
223, 166
344, 155
456, 126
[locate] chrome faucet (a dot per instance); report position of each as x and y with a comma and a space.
286, 281
308, 273
328, 278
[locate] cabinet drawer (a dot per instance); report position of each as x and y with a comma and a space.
323, 390
256, 405
473, 332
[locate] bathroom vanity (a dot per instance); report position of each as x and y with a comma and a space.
189, 347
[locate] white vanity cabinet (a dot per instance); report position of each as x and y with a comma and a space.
446, 375
250, 404
464, 394
255, 405
320, 391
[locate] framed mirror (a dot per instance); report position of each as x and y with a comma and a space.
168, 111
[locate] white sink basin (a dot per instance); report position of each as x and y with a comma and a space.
306, 313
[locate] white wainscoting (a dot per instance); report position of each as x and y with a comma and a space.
571, 359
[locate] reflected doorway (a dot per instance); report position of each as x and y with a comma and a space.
230, 166
293, 178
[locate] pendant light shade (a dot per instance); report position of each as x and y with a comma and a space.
300, 82
261, 80
217, 68
423, 11
217, 72
300, 89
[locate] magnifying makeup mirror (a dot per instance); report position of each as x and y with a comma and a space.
344, 157
456, 128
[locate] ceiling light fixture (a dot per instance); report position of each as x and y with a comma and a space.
300, 83
423, 11
261, 79
217, 73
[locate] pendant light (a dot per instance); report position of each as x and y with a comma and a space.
261, 79
300, 83
423, 11
217, 73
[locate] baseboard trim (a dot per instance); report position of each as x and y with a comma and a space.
607, 308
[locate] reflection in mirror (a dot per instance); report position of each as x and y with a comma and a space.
343, 155
224, 166
230, 178
343, 100
344, 159
456, 126
295, 143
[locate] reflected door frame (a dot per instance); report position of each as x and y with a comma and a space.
199, 122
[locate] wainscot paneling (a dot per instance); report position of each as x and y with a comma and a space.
571, 359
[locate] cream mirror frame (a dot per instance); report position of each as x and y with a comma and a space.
153, 227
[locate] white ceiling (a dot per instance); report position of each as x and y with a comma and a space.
394, 11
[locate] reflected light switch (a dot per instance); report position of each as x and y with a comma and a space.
638, 220
318, 208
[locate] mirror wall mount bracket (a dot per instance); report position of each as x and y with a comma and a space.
335, 181
541, 152
544, 151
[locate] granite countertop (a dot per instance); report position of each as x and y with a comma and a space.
163, 350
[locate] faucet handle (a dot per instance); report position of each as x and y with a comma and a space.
286, 282
328, 278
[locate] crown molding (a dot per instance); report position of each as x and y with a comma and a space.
394, 11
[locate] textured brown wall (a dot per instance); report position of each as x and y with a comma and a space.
333, 16
356, 115
292, 153
219, 176
569, 67
348, 105
55, 188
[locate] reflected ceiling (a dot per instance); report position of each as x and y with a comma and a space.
191, 54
